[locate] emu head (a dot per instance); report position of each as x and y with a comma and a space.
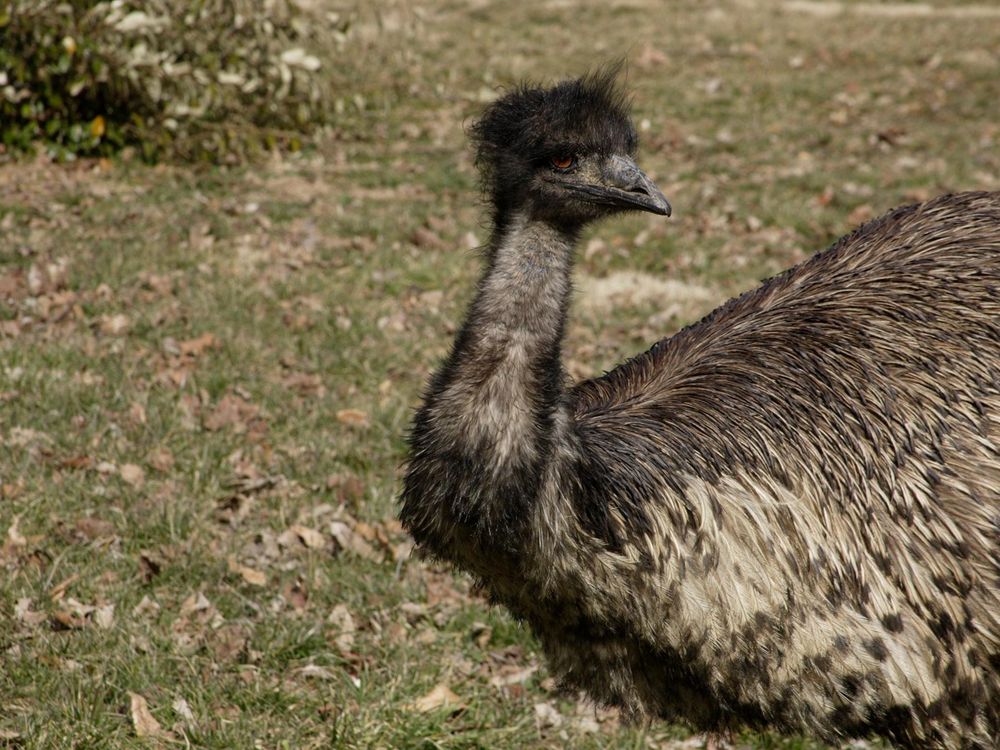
564, 154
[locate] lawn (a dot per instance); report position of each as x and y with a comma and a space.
206, 374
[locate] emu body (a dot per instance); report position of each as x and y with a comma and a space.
785, 516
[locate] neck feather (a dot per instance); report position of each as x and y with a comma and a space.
505, 375
484, 434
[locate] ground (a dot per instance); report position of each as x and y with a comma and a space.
206, 374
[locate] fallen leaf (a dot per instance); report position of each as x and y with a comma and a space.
315, 671
24, 613
352, 417
547, 716
133, 475
76, 462
346, 488
14, 536
146, 607
347, 539
64, 620
183, 709
161, 459
197, 346
424, 237
106, 468
309, 537
232, 509
512, 676
142, 720
114, 325
343, 623
305, 384
150, 564
91, 528
481, 633
228, 642
137, 414
196, 602
231, 411
59, 590
296, 594
104, 616
413, 611
441, 696
860, 215
250, 575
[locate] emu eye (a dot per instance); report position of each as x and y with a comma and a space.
563, 161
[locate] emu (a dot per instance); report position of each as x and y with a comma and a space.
786, 516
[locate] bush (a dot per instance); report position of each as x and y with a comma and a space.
195, 79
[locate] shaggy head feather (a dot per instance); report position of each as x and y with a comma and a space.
588, 115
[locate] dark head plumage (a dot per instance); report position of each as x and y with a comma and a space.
532, 127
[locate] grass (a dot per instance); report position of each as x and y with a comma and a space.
206, 374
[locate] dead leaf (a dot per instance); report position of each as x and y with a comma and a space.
59, 590
233, 509
137, 414
441, 696
133, 475
481, 633
424, 237
295, 593
315, 671
346, 488
305, 384
413, 611
146, 607
143, 722
231, 411
183, 709
343, 623
511, 675
76, 462
161, 459
150, 564
24, 613
64, 620
351, 541
91, 528
106, 468
309, 537
547, 716
196, 602
352, 417
228, 642
250, 575
114, 325
200, 236
104, 616
860, 215
197, 346
14, 536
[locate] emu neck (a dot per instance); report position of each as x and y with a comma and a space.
504, 378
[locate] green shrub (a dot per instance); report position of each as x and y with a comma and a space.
194, 79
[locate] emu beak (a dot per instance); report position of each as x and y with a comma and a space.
631, 188
624, 184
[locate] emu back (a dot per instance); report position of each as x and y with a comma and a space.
813, 474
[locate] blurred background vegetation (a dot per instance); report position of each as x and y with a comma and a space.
190, 79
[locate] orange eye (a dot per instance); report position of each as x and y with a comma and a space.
564, 161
